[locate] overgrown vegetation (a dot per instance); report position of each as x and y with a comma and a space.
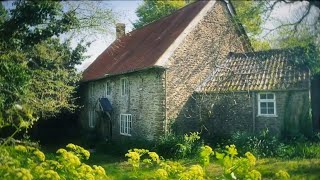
265, 145
26, 162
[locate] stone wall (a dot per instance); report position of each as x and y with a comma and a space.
226, 113
209, 42
146, 103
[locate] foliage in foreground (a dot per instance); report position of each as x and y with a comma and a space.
234, 167
26, 162
266, 145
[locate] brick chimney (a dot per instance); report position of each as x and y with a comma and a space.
120, 30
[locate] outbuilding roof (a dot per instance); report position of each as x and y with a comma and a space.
142, 48
279, 69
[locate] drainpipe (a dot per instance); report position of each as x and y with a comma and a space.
253, 113
165, 104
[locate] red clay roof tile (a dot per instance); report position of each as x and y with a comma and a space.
142, 48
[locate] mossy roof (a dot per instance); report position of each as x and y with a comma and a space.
278, 69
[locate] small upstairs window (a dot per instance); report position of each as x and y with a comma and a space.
91, 90
124, 86
107, 89
266, 104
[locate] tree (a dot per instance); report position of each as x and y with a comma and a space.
37, 69
301, 28
249, 14
151, 10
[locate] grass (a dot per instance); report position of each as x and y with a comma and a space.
305, 165
298, 168
118, 168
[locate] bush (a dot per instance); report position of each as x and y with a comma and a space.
178, 146
233, 166
25, 162
266, 145
263, 144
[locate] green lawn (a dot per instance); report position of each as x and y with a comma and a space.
117, 168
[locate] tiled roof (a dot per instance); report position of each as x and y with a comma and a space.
280, 69
142, 48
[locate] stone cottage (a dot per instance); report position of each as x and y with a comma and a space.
143, 80
252, 92
193, 70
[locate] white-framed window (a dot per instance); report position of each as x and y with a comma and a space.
266, 104
107, 89
124, 86
125, 124
92, 118
91, 89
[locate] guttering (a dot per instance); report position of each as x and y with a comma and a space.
126, 72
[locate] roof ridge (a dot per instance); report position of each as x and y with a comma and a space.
164, 17
265, 52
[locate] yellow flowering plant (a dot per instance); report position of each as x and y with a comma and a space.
26, 163
237, 167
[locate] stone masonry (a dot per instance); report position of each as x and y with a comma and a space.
146, 103
209, 42
222, 114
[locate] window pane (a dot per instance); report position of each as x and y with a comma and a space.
122, 88
108, 88
270, 105
270, 96
263, 105
125, 86
263, 96
263, 111
270, 111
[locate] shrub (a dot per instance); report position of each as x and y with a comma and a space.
234, 167
25, 162
266, 145
263, 144
178, 146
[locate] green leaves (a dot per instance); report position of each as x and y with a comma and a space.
151, 11
37, 70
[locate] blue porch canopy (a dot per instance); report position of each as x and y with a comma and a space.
105, 104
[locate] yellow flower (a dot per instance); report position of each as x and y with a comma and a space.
282, 175
254, 175
86, 153
99, 170
71, 146
85, 168
194, 172
61, 151
23, 174
231, 150
50, 174
154, 156
161, 174
134, 158
251, 158
40, 155
20, 148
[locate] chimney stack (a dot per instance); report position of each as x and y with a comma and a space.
120, 30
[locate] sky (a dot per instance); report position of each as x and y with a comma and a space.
125, 11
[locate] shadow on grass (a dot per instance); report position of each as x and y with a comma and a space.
298, 169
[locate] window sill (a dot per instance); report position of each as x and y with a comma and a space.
267, 115
125, 134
